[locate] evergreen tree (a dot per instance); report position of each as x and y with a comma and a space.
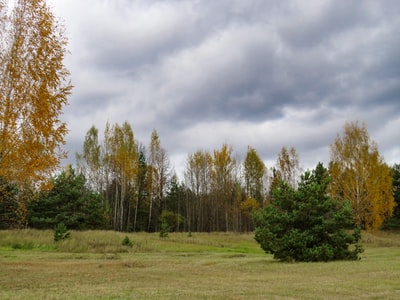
68, 202
306, 224
394, 221
9, 217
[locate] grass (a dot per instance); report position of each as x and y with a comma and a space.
95, 265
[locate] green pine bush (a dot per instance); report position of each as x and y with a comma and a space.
127, 242
61, 232
305, 224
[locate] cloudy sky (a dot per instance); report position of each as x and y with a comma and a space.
257, 72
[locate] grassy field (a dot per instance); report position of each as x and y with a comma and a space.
95, 265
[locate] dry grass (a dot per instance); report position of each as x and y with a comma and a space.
94, 265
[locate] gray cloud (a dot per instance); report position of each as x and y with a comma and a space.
259, 73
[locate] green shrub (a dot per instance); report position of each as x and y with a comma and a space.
61, 232
127, 242
306, 224
164, 230
170, 221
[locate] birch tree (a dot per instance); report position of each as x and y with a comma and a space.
360, 175
254, 176
121, 158
34, 88
198, 180
223, 184
158, 173
288, 166
90, 162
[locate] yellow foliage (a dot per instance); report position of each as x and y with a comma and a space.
33, 92
248, 205
360, 175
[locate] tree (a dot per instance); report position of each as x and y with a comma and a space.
175, 202
198, 180
247, 207
307, 224
223, 179
360, 175
288, 166
34, 88
90, 161
158, 174
141, 212
254, 176
122, 163
394, 221
9, 217
69, 202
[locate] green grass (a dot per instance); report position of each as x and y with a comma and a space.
95, 265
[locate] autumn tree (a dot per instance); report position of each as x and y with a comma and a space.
360, 175
34, 88
90, 163
254, 176
158, 174
198, 180
288, 166
121, 159
223, 180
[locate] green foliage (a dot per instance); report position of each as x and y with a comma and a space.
9, 217
61, 232
306, 224
127, 242
68, 202
170, 221
393, 223
164, 230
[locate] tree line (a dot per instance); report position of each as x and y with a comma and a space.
121, 184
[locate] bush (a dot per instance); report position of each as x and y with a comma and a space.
127, 242
306, 224
164, 230
61, 232
171, 220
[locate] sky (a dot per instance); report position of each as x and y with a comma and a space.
257, 73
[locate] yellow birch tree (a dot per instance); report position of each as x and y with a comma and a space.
254, 176
34, 88
288, 166
360, 175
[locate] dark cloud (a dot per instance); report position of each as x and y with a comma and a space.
259, 73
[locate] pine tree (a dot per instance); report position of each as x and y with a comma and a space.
307, 224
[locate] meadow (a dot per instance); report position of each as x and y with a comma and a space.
95, 265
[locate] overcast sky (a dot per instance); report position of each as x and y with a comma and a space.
243, 72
